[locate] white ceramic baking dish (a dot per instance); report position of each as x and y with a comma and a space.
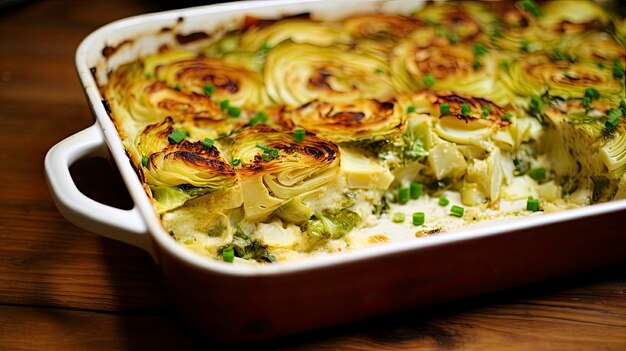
256, 302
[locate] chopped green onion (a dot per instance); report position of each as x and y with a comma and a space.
480, 50
497, 33
525, 44
429, 80
444, 109
410, 109
558, 55
144, 161
476, 64
453, 38
208, 89
431, 21
234, 111
398, 217
536, 105
592, 93
228, 254
416, 189
530, 6
418, 218
404, 194
618, 69
441, 31
600, 65
485, 111
614, 116
507, 116
532, 205
265, 47
236, 162
443, 201
260, 117
537, 173
465, 109
378, 70
177, 87
457, 211
298, 135
208, 142
176, 136
224, 104
265, 157
587, 102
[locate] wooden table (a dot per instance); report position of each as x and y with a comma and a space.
64, 288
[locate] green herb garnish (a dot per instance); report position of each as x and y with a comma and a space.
236, 162
418, 218
144, 161
443, 201
444, 109
260, 117
530, 6
410, 109
618, 69
233, 111
457, 211
429, 80
537, 173
228, 254
208, 143
507, 116
404, 195
208, 89
416, 189
298, 135
485, 111
224, 104
532, 205
466, 109
176, 136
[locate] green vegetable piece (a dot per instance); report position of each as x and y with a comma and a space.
525, 45
592, 93
429, 80
532, 205
485, 111
557, 54
418, 218
298, 135
294, 211
453, 38
233, 111
416, 190
404, 194
537, 173
465, 109
476, 64
530, 6
335, 226
444, 109
457, 211
586, 102
208, 143
144, 161
441, 31
443, 201
177, 87
614, 119
571, 58
176, 136
536, 106
224, 104
398, 217
228, 254
618, 69
208, 89
261, 117
265, 157
410, 109
378, 70
236, 162
479, 50
507, 116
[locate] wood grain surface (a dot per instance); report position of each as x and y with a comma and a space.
62, 288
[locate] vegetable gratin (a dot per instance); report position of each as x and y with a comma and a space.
292, 137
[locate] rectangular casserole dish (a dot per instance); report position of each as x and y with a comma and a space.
257, 302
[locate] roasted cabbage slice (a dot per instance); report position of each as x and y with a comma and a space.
275, 168
296, 74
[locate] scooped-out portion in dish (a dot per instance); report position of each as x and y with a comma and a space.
294, 137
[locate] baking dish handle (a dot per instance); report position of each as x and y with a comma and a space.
124, 225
